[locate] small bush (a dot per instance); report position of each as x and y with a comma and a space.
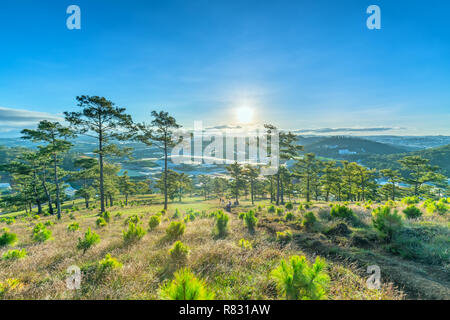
296, 279
412, 212
36, 217
177, 214
14, 254
284, 237
271, 209
41, 233
309, 220
385, 222
245, 244
221, 224
175, 230
90, 239
7, 238
342, 212
280, 211
411, 200
390, 204
100, 222
106, 216
133, 234
154, 222
179, 252
49, 223
10, 221
259, 208
289, 216
185, 286
132, 219
289, 206
9, 285
241, 215
73, 226
108, 264
250, 221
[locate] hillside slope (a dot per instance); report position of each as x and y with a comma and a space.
339, 147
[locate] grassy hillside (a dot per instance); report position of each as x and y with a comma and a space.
343, 147
438, 156
229, 270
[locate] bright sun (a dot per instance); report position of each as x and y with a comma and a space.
244, 114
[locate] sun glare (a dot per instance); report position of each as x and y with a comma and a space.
244, 115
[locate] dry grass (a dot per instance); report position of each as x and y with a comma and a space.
230, 271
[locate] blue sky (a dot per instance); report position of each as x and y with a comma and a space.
298, 64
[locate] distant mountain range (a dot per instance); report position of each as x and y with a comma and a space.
340, 147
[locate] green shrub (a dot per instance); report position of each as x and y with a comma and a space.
300, 207
7, 238
49, 223
250, 221
245, 244
296, 279
390, 203
441, 206
412, 212
90, 239
284, 237
289, 206
309, 220
185, 286
289, 216
241, 215
106, 216
179, 252
100, 222
9, 285
133, 234
221, 224
134, 218
175, 230
74, 226
154, 222
14, 254
385, 222
36, 217
109, 263
342, 212
177, 214
271, 209
41, 233
190, 217
410, 200
259, 208
72, 216
280, 211
9, 221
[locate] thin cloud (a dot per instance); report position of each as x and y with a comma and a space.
11, 119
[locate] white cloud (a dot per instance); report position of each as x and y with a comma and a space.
14, 119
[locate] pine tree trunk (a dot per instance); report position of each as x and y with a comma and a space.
165, 172
58, 201
102, 190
